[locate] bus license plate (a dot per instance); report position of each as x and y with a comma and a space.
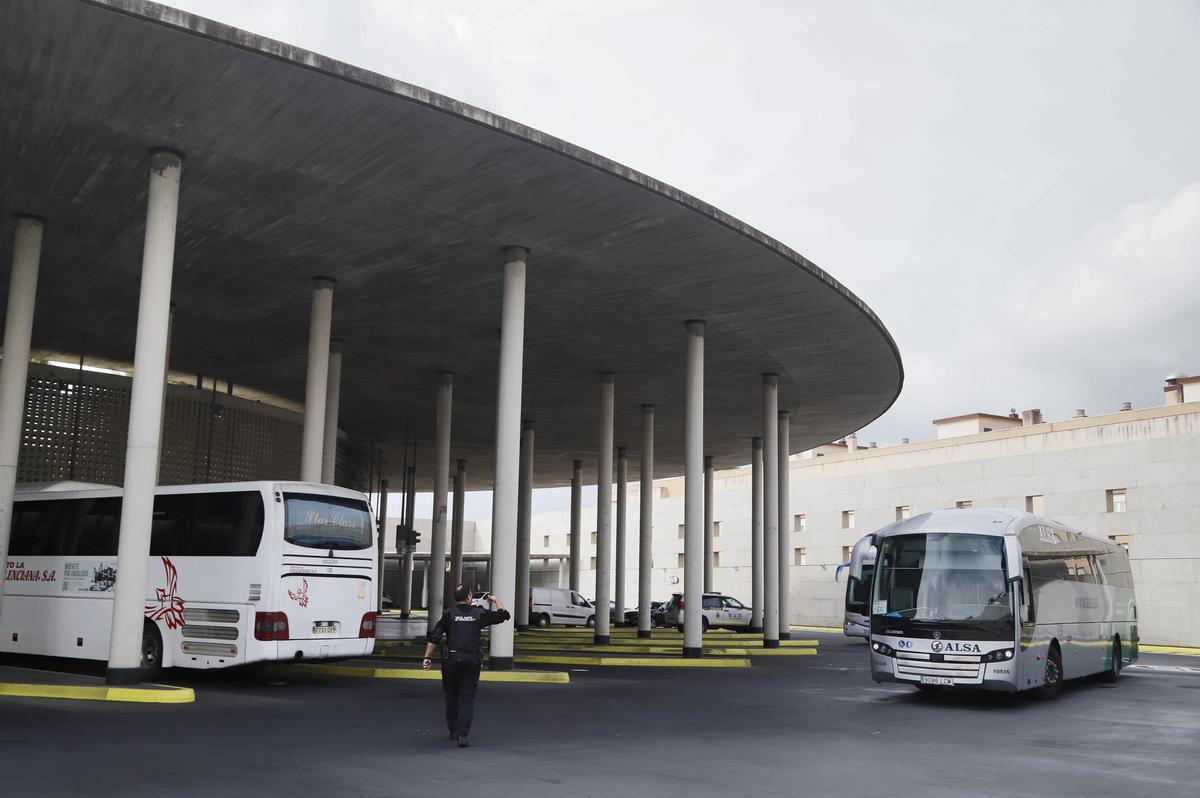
325, 627
940, 680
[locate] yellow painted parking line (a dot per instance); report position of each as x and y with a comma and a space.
583, 651
1152, 649
519, 677
781, 652
159, 694
834, 629
666, 641
636, 662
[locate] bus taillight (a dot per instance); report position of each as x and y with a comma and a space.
270, 626
367, 627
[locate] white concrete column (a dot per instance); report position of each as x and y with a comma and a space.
756, 535
562, 572
456, 525
380, 528
161, 422
14, 368
693, 495
619, 556
576, 523
333, 396
508, 450
708, 524
770, 512
406, 552
524, 519
604, 476
145, 419
316, 385
785, 526
646, 523
441, 490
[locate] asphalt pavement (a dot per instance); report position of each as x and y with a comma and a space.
813, 725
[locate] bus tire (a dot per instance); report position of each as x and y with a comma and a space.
1114, 668
152, 651
1054, 675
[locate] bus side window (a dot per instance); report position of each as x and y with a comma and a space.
171, 527
97, 527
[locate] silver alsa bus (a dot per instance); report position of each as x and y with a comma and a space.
998, 600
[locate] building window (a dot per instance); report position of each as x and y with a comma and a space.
568, 539
716, 529
679, 562
1122, 539
682, 530
799, 522
593, 538
963, 505
800, 556
545, 541
593, 563
845, 554
1116, 500
847, 519
1035, 504
716, 559
903, 512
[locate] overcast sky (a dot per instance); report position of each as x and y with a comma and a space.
1014, 187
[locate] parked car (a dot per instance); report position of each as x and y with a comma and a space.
480, 599
558, 605
631, 616
718, 611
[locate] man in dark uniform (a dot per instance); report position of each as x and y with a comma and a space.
462, 625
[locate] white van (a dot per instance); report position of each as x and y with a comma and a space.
549, 605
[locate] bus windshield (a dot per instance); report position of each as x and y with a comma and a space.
327, 522
942, 577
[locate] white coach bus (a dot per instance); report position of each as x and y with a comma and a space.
238, 573
998, 600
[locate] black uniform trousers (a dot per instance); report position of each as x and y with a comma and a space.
460, 680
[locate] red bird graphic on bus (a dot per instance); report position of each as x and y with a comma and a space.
170, 606
300, 596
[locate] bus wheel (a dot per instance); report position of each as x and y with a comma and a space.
1114, 669
1054, 675
152, 649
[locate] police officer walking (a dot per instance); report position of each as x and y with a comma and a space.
462, 625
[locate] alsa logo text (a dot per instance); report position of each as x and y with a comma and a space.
954, 648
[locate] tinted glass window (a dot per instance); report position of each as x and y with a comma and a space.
95, 525
712, 603
1116, 569
324, 522
207, 524
36, 529
184, 525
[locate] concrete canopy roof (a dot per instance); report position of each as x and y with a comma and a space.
297, 165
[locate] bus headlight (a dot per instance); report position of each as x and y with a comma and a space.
882, 648
1001, 655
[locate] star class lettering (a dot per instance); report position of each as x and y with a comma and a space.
17, 572
335, 519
